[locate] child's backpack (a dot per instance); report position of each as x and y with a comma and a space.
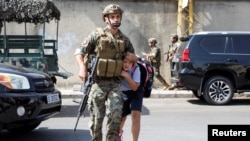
147, 76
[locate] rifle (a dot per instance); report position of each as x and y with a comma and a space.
168, 53
86, 87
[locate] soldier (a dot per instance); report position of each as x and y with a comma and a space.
172, 48
155, 60
110, 44
171, 52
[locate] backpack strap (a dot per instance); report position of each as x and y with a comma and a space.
146, 67
133, 69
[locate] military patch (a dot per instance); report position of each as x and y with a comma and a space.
85, 42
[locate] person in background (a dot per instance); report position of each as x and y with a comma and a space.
155, 60
105, 98
132, 96
170, 54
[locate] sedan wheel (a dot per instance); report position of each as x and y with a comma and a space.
218, 90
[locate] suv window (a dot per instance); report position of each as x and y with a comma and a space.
215, 44
183, 44
181, 48
241, 44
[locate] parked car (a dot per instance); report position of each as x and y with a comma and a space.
214, 65
27, 98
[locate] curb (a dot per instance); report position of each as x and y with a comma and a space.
156, 93
75, 93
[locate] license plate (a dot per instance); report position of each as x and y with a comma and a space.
53, 98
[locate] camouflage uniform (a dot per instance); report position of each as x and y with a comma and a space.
171, 53
105, 96
172, 49
156, 63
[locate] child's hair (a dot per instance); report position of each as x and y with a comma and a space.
126, 56
130, 57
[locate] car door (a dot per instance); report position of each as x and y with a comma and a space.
239, 55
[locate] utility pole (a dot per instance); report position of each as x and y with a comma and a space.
185, 17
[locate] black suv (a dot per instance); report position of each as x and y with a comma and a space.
26, 98
214, 65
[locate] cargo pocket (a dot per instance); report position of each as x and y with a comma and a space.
118, 68
111, 68
101, 67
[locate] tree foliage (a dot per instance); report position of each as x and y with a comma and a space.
30, 11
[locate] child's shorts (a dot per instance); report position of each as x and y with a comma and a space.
132, 101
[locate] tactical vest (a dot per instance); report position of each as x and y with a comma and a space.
157, 58
110, 51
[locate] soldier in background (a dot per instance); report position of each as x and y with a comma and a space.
155, 60
109, 44
172, 48
170, 54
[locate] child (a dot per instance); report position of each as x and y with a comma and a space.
132, 95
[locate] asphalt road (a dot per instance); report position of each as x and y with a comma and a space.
163, 119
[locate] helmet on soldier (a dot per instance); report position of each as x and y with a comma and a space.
152, 40
111, 8
174, 36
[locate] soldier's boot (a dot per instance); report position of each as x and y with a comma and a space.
172, 87
165, 86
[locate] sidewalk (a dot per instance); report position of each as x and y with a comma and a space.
156, 93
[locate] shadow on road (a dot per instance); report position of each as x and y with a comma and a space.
44, 134
234, 102
72, 111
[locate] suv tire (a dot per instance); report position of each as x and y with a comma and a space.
218, 90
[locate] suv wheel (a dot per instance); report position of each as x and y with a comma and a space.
218, 90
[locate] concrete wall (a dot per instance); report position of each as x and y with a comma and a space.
141, 20
222, 15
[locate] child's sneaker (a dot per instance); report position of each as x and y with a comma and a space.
120, 136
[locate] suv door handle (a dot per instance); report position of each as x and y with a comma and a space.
232, 60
